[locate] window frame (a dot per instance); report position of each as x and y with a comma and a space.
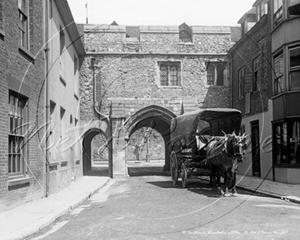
256, 73
277, 12
23, 9
17, 119
276, 78
293, 69
241, 82
62, 40
169, 81
212, 75
284, 153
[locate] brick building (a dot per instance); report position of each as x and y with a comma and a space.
174, 69
251, 87
40, 53
22, 101
285, 22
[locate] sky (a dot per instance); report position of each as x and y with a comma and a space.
161, 12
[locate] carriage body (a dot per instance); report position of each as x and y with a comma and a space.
186, 158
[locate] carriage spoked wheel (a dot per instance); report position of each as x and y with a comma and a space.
174, 168
184, 175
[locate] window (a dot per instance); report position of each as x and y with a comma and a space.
62, 123
217, 72
16, 140
75, 64
277, 13
133, 32
294, 72
279, 74
23, 23
1, 15
287, 142
261, 9
294, 8
61, 40
256, 74
241, 76
170, 73
185, 33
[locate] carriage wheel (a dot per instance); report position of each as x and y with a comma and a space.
174, 168
184, 175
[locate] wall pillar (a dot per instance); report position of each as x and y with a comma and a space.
119, 164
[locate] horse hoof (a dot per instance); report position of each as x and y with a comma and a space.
227, 195
235, 195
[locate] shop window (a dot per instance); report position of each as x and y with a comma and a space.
294, 71
23, 6
278, 74
277, 13
287, 143
170, 73
217, 73
241, 75
16, 140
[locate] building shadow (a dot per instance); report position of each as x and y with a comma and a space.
97, 171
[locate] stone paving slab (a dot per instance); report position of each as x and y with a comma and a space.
30, 217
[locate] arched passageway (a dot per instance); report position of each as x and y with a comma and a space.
155, 117
87, 153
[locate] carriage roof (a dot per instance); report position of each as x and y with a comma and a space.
209, 121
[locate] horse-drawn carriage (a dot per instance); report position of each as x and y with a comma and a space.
204, 143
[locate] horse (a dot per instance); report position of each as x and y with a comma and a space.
223, 155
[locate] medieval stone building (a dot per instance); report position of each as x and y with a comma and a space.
173, 68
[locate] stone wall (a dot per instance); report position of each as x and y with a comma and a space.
126, 70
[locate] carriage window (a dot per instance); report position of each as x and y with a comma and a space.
170, 73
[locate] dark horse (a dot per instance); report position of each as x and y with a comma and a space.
223, 155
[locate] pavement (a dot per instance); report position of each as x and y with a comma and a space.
30, 217
40, 213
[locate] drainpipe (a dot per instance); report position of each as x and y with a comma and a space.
47, 107
231, 77
100, 115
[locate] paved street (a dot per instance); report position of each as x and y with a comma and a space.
148, 206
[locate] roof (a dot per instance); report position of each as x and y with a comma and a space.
68, 20
252, 11
186, 125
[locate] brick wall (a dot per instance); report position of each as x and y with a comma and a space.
256, 42
25, 68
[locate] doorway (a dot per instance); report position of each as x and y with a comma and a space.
255, 149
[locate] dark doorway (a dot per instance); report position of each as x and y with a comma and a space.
255, 148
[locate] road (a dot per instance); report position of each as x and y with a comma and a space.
148, 206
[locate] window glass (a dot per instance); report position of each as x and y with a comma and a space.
295, 68
17, 120
169, 73
241, 82
279, 77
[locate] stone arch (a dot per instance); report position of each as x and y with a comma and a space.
156, 117
90, 131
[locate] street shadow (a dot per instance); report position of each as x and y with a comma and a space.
197, 186
146, 171
97, 171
